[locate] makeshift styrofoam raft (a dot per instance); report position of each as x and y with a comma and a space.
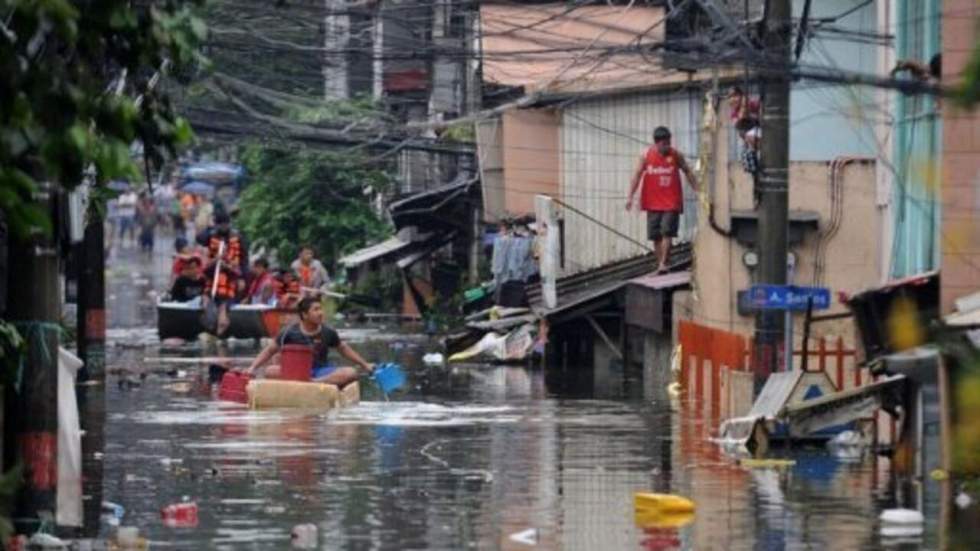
273, 393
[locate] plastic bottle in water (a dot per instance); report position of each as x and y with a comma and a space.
304, 536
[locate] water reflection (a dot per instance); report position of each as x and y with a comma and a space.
471, 456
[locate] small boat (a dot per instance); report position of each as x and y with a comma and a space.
278, 393
178, 320
248, 321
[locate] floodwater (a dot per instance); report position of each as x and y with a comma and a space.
469, 457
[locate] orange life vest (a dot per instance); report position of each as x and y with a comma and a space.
233, 250
230, 263
283, 290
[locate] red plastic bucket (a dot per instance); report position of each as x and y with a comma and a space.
296, 362
233, 386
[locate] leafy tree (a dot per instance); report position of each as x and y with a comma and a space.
969, 92
321, 198
62, 63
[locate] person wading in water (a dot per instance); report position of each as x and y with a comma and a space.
310, 331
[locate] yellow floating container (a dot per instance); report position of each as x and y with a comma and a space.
656, 519
664, 504
272, 393
766, 463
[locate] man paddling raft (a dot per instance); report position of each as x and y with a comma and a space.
310, 331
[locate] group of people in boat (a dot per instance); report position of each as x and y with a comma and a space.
214, 272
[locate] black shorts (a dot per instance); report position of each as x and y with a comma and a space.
662, 223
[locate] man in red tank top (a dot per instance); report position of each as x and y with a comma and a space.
661, 197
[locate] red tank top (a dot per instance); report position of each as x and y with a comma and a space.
662, 182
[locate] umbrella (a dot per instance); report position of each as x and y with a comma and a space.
214, 172
198, 188
118, 185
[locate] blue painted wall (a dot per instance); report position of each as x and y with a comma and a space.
829, 120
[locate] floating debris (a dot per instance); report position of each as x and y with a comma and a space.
766, 463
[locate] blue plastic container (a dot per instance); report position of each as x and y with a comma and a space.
389, 377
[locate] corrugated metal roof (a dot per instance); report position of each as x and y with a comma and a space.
585, 287
371, 252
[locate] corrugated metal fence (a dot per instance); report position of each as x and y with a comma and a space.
601, 141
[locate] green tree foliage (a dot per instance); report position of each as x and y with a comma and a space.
969, 92
321, 198
58, 114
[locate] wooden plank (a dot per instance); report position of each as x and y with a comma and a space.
605, 338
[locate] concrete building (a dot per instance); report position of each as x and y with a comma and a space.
960, 245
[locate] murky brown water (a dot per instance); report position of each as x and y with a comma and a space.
479, 456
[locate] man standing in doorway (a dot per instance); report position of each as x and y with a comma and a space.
662, 198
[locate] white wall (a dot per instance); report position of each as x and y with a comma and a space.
601, 141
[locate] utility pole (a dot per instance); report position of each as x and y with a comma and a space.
91, 299
33, 409
91, 324
773, 184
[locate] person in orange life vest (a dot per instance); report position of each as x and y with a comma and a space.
311, 273
311, 331
661, 197
261, 287
287, 289
191, 284
183, 254
230, 275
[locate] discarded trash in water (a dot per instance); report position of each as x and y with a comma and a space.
766, 463
179, 388
304, 536
662, 503
938, 474
745, 434
46, 541
274, 510
180, 515
433, 359
128, 537
901, 531
963, 500
527, 537
656, 519
848, 438
169, 461
901, 516
114, 509
128, 384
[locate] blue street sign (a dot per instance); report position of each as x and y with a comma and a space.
788, 297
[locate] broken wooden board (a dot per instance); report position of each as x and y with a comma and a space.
840, 408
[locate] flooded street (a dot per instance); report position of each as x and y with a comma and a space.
473, 456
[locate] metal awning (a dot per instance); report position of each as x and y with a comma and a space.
423, 249
438, 209
376, 251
